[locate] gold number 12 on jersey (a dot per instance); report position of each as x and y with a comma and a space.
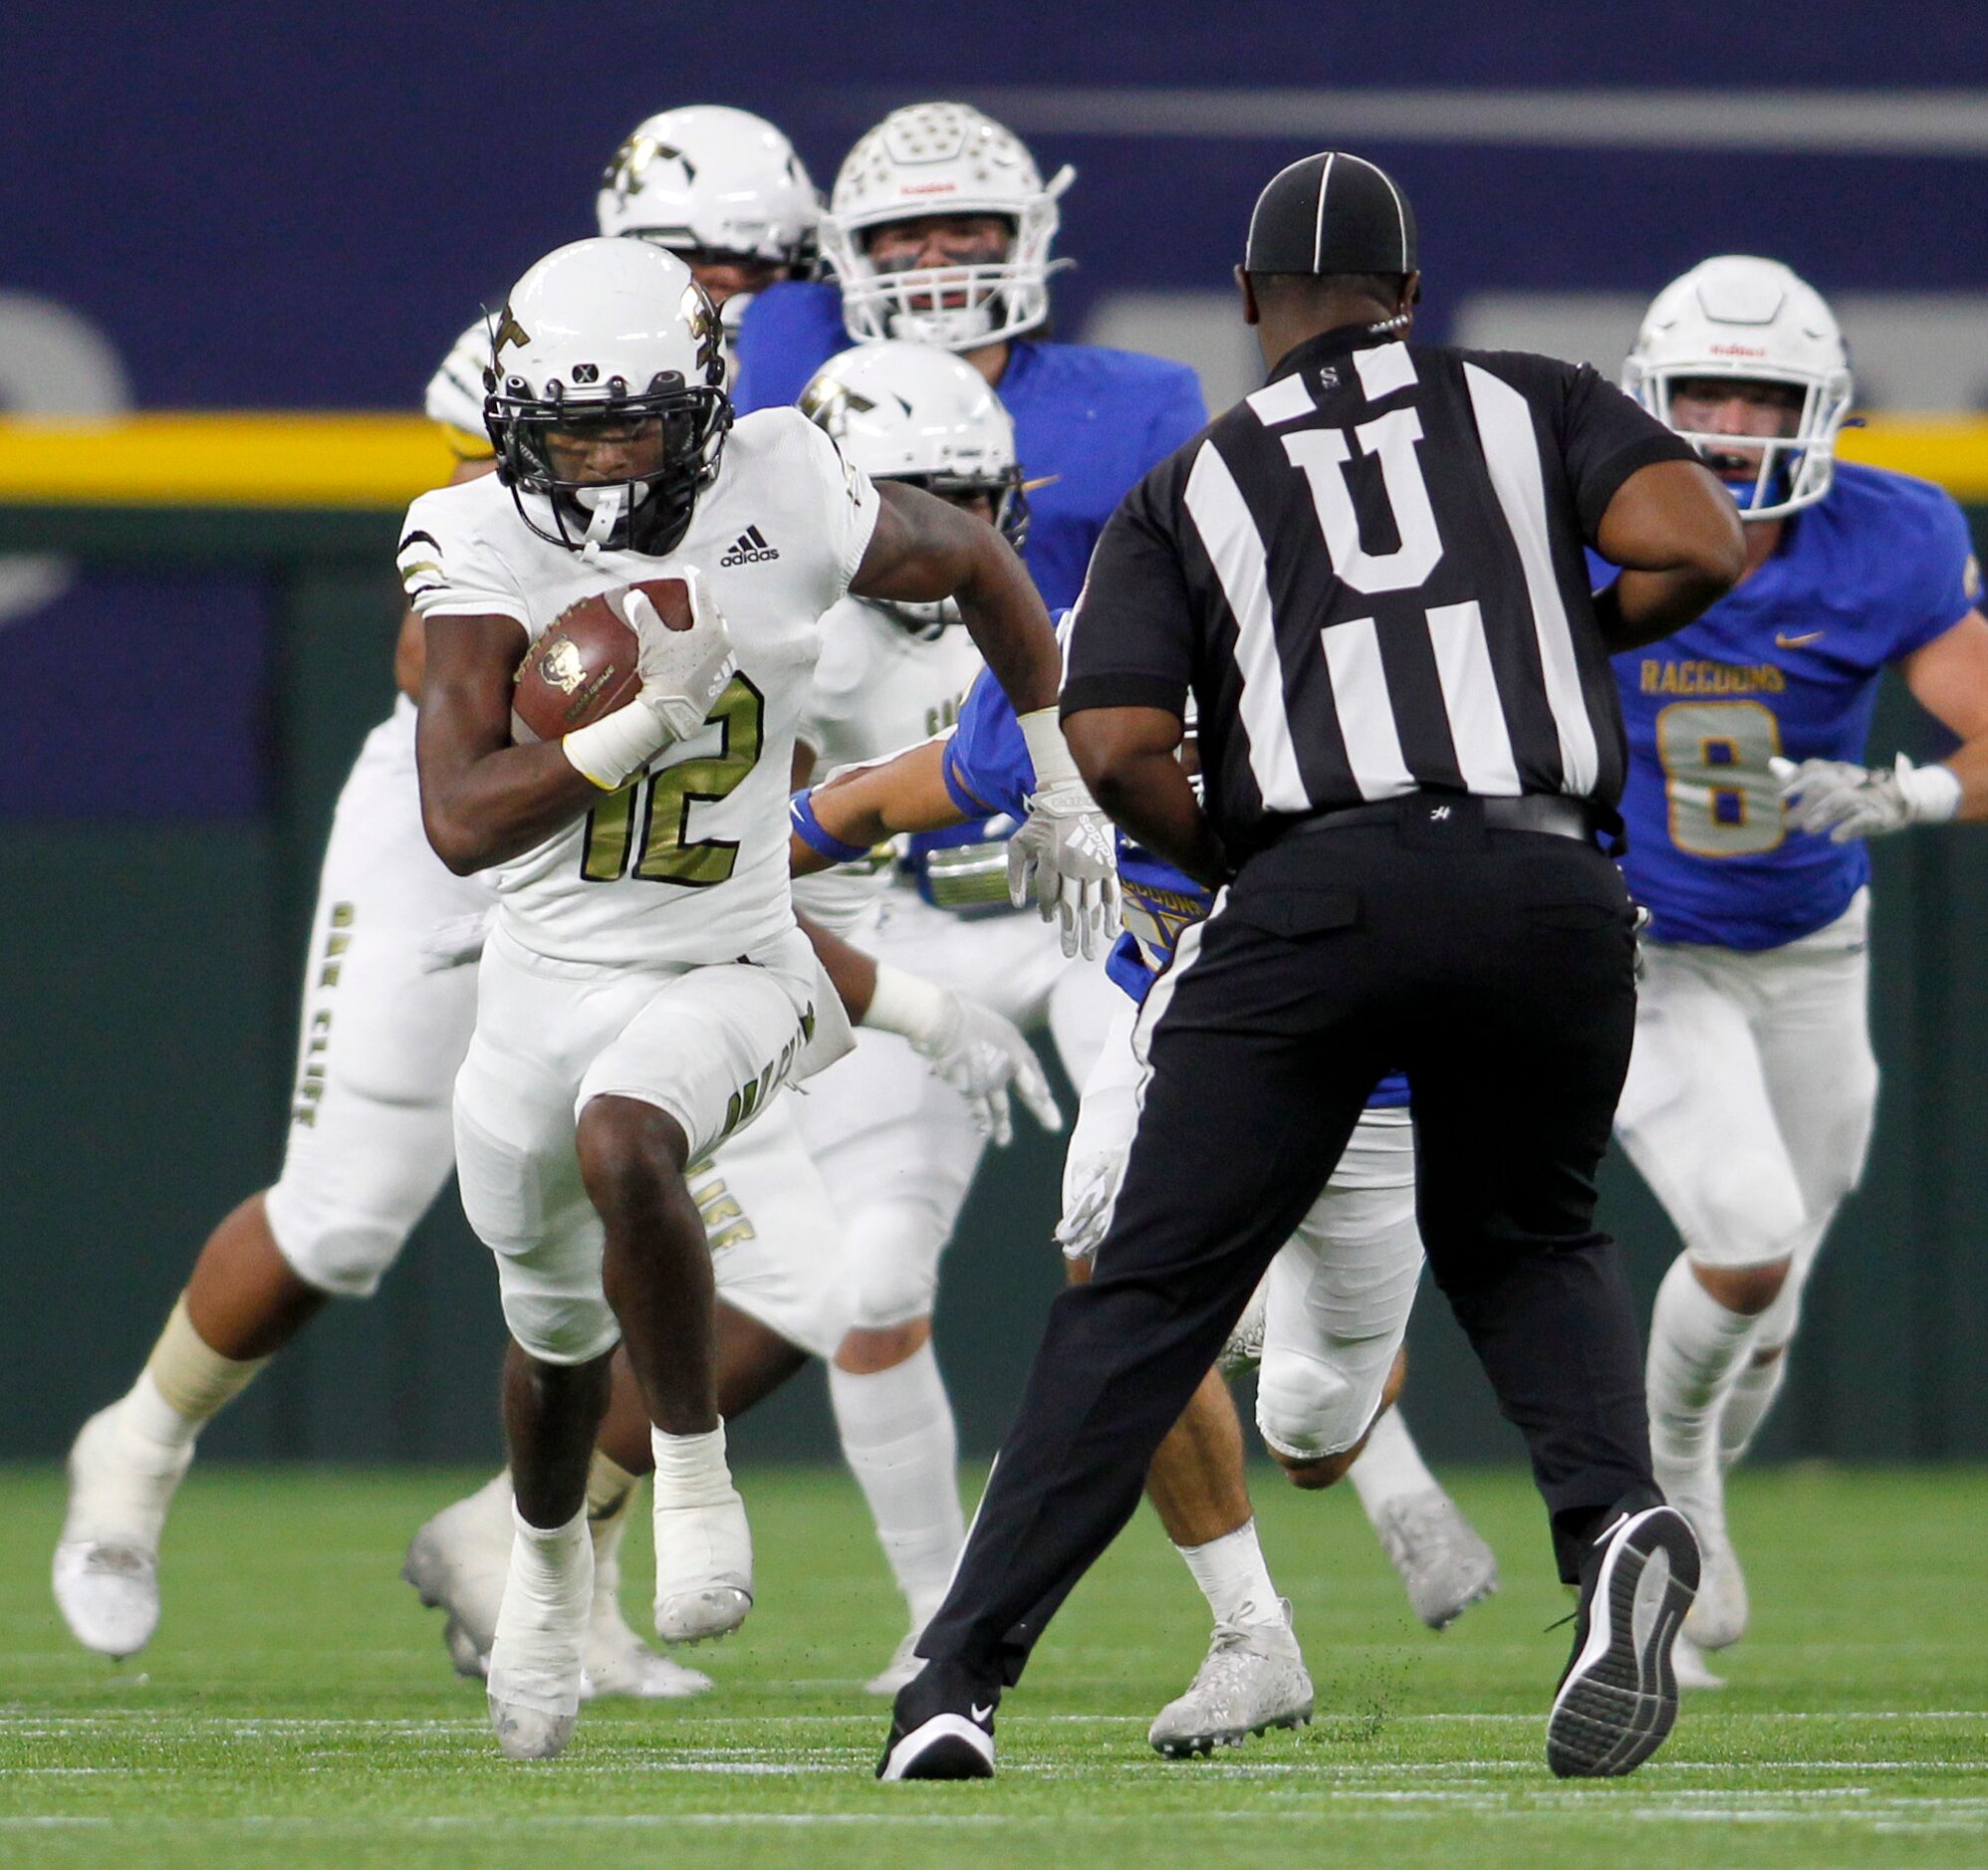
652, 816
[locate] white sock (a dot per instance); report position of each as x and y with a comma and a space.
690, 1470
1748, 1402
1696, 1346
552, 1567
1389, 1466
898, 1438
149, 1416
1233, 1578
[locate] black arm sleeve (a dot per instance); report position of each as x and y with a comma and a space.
1130, 642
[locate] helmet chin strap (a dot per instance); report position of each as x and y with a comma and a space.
607, 506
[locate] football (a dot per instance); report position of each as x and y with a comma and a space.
584, 666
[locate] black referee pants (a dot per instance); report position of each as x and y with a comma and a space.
1497, 967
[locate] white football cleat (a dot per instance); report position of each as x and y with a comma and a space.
1718, 1615
538, 1652
1443, 1564
703, 1567
619, 1662
1252, 1679
905, 1662
106, 1571
457, 1562
1688, 1663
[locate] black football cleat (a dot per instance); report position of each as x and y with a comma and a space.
941, 1727
1618, 1700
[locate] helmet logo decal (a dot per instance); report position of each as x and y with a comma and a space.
623, 173
703, 320
829, 404
509, 331
585, 373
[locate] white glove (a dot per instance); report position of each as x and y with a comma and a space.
683, 673
1064, 854
1849, 801
1243, 1349
978, 1052
1091, 1191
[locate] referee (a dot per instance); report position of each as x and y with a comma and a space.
1369, 576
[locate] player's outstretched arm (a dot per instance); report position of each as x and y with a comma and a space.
978, 1052
1840, 800
1675, 531
483, 800
1949, 679
923, 550
860, 806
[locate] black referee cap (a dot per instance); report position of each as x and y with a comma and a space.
1331, 213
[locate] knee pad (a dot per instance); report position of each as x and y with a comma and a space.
547, 1242
343, 1254
555, 1326
1308, 1408
894, 1266
351, 1192
1743, 1213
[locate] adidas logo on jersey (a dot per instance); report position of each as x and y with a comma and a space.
750, 548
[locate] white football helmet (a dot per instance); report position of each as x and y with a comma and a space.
708, 180
608, 333
943, 158
1750, 320
917, 414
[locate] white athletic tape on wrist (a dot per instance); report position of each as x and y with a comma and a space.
617, 746
1049, 751
905, 1004
1932, 792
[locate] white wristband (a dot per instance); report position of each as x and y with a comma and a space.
1049, 751
907, 1003
1932, 792
617, 746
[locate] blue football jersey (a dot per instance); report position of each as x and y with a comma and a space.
1788, 663
1088, 421
988, 770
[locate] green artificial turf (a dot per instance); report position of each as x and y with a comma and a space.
295, 1707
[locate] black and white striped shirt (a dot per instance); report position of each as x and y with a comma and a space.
1370, 575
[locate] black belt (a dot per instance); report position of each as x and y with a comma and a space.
1555, 814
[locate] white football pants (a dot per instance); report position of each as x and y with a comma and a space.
1751, 1094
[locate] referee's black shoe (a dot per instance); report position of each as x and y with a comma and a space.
941, 1727
1618, 1700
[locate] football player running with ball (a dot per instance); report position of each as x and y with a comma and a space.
1325, 1328
646, 989
386, 1019
1751, 1092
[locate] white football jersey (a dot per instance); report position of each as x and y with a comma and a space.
885, 682
688, 864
